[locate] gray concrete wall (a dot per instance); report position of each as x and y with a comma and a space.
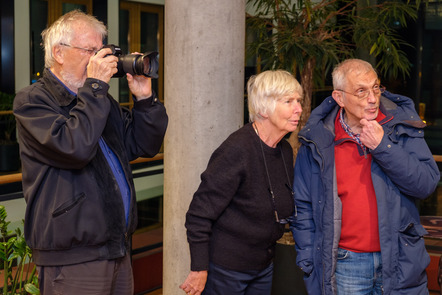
204, 95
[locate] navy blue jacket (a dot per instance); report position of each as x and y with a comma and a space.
403, 171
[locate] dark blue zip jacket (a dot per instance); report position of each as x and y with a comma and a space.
403, 171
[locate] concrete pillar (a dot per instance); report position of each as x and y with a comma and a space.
204, 91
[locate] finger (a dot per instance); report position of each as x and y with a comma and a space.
104, 51
114, 71
185, 287
363, 122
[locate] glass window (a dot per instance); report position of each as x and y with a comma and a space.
141, 30
430, 103
123, 33
149, 29
43, 12
39, 19
66, 7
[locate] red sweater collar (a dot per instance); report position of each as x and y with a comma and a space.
340, 132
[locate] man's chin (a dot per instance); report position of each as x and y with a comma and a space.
71, 81
371, 115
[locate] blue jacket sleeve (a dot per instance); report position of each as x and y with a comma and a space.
302, 226
406, 159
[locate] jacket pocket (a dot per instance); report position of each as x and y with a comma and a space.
66, 207
76, 222
312, 284
413, 257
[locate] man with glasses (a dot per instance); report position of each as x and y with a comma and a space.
76, 143
362, 166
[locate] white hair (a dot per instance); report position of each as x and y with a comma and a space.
343, 69
63, 31
266, 88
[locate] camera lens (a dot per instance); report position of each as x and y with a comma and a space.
150, 65
140, 64
146, 65
135, 64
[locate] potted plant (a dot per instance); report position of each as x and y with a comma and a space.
18, 272
9, 150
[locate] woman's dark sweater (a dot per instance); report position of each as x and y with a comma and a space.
231, 220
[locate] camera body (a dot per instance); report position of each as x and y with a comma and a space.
135, 64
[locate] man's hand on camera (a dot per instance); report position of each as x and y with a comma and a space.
102, 66
140, 86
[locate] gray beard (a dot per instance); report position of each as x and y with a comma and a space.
72, 83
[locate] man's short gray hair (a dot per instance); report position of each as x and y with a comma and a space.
62, 31
343, 69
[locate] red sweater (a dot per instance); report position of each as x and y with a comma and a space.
359, 229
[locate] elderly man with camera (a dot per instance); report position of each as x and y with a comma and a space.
75, 144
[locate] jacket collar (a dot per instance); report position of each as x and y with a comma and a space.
320, 127
59, 91
401, 108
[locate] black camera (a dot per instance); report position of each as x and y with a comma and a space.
135, 64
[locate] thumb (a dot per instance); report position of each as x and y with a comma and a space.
129, 77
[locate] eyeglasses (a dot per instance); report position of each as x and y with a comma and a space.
277, 219
364, 93
89, 51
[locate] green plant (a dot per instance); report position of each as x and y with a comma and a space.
15, 253
7, 119
309, 37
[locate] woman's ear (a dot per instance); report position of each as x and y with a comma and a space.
262, 115
338, 97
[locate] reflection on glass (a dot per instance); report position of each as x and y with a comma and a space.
149, 37
38, 20
149, 32
124, 45
66, 7
149, 41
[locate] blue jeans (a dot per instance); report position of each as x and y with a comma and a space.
359, 273
222, 281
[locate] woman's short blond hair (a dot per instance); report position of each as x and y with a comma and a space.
266, 88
